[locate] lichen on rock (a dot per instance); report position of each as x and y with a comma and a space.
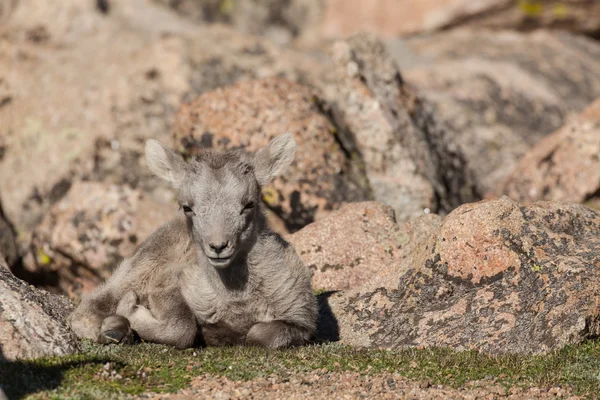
496, 276
33, 322
351, 245
564, 166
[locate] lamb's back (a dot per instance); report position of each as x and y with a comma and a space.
159, 258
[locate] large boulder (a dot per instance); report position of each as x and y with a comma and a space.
350, 245
563, 166
411, 162
498, 93
249, 114
392, 17
409, 17
32, 321
496, 276
84, 236
579, 16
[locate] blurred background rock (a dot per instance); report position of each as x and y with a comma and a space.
286, 19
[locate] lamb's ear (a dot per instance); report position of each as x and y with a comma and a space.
273, 160
164, 163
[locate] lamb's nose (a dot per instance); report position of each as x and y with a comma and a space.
218, 247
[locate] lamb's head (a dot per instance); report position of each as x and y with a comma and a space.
219, 192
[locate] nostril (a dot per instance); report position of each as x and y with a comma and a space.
218, 247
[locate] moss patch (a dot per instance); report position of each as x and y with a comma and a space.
115, 371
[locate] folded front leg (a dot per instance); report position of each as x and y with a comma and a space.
116, 329
276, 334
169, 322
88, 318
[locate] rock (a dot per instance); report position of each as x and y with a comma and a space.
408, 17
80, 91
350, 245
498, 93
247, 115
219, 57
77, 98
32, 321
411, 163
392, 17
496, 276
276, 19
564, 166
578, 16
8, 244
6, 9
85, 235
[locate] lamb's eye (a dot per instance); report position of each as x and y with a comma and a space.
187, 210
248, 206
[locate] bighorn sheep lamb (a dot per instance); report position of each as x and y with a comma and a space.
218, 272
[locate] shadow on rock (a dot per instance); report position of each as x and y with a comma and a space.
328, 329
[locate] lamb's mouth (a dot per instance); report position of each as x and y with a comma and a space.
220, 261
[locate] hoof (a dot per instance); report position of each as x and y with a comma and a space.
115, 329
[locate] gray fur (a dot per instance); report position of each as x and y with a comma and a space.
218, 270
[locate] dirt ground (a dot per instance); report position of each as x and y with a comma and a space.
351, 385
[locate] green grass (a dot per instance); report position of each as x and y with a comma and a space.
147, 367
